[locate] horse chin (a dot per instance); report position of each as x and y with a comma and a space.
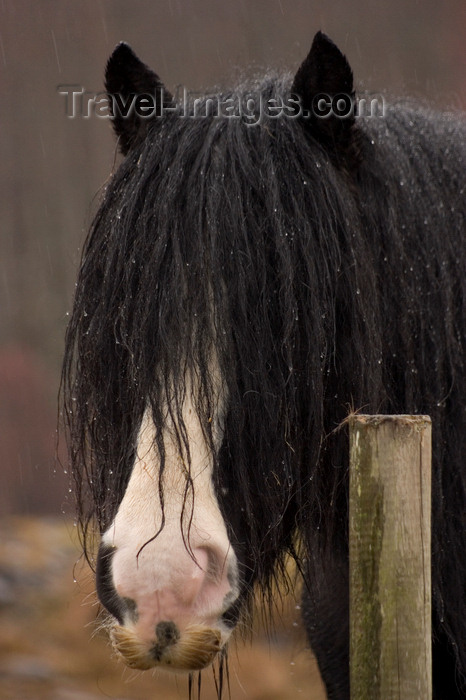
190, 650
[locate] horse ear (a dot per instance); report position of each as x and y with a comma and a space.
324, 86
136, 96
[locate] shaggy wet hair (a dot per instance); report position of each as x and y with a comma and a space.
319, 282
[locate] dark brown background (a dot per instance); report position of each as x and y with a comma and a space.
51, 169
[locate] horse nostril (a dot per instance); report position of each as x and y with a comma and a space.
131, 608
219, 578
106, 592
212, 562
232, 614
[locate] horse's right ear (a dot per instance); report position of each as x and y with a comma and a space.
325, 77
136, 96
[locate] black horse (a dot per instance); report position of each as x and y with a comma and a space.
262, 261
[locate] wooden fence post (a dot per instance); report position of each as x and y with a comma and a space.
390, 589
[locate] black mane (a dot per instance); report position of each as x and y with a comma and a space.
321, 288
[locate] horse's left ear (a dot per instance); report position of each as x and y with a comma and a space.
324, 86
137, 96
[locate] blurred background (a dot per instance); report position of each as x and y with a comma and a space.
52, 168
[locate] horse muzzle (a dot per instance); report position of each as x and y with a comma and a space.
191, 650
180, 624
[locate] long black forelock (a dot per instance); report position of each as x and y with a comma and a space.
220, 238
212, 235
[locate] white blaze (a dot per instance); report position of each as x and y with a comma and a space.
160, 575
